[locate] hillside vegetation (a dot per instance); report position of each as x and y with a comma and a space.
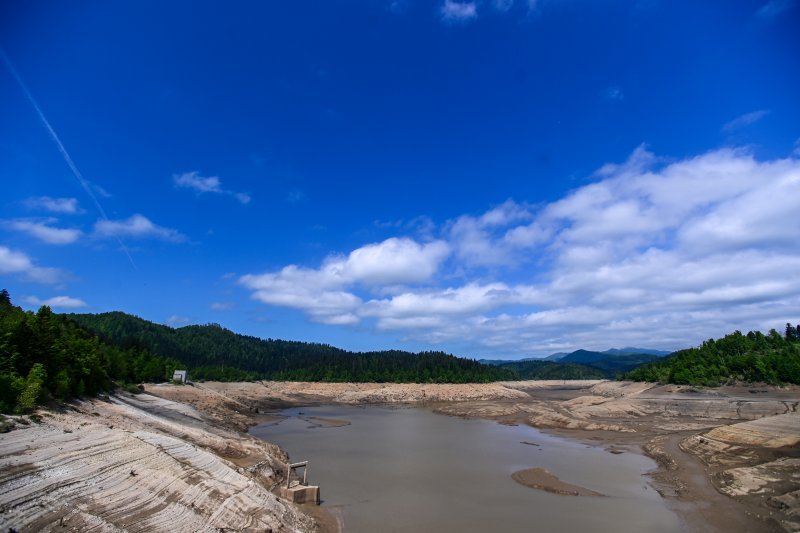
215, 353
532, 369
580, 364
44, 355
755, 357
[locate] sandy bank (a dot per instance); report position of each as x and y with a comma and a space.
745, 432
539, 478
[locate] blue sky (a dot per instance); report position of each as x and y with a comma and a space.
491, 178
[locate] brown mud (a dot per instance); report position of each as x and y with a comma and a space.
539, 478
728, 458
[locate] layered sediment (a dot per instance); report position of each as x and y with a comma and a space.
178, 458
138, 464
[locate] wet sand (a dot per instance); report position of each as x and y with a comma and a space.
326, 422
539, 478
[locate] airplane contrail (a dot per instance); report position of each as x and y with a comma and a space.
67, 158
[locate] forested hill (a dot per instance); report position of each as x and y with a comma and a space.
580, 364
755, 357
45, 355
213, 352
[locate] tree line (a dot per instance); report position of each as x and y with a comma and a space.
214, 353
755, 357
46, 355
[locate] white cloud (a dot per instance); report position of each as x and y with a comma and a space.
65, 302
475, 239
745, 120
137, 226
503, 5
44, 232
394, 261
221, 306
326, 293
458, 11
65, 206
193, 180
652, 252
177, 321
13, 262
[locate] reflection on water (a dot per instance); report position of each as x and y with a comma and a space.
408, 469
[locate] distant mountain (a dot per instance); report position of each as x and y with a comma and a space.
498, 362
581, 364
617, 364
629, 350
584, 356
541, 369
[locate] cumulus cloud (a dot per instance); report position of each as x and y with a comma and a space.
212, 184
14, 262
42, 230
64, 206
745, 120
325, 293
479, 240
651, 252
138, 227
458, 11
64, 302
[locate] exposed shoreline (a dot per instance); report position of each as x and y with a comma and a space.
539, 478
624, 417
728, 458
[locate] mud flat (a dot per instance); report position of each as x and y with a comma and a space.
178, 459
707, 442
539, 478
404, 468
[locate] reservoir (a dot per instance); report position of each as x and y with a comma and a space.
409, 469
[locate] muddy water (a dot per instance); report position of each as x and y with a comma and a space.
408, 469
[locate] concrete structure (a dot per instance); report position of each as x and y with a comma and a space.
180, 375
301, 494
297, 491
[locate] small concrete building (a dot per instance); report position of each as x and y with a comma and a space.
299, 491
180, 375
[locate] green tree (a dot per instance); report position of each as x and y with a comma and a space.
34, 390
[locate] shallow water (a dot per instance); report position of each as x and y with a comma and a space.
409, 469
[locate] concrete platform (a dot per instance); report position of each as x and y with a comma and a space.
301, 494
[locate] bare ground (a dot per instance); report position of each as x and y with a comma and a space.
138, 464
729, 458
